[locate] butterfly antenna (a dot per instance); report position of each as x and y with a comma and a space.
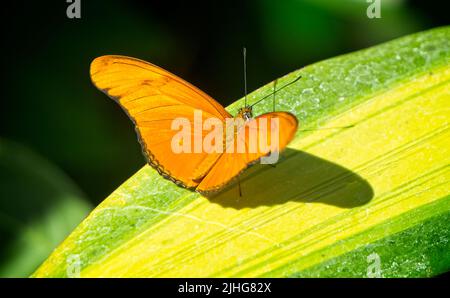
244, 53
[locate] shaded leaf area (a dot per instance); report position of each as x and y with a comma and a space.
81, 125
39, 206
372, 149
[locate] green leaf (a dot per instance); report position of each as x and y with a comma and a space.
364, 183
39, 207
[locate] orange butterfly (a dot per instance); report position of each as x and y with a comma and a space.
153, 97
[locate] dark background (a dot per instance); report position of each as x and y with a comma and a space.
65, 146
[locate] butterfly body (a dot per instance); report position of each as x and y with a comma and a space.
164, 107
245, 113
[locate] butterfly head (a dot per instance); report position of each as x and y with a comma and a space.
245, 113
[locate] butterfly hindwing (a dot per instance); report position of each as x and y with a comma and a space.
153, 98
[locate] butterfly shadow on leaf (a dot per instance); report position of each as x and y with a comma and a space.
297, 177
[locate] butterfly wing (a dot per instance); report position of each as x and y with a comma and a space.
230, 165
152, 97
